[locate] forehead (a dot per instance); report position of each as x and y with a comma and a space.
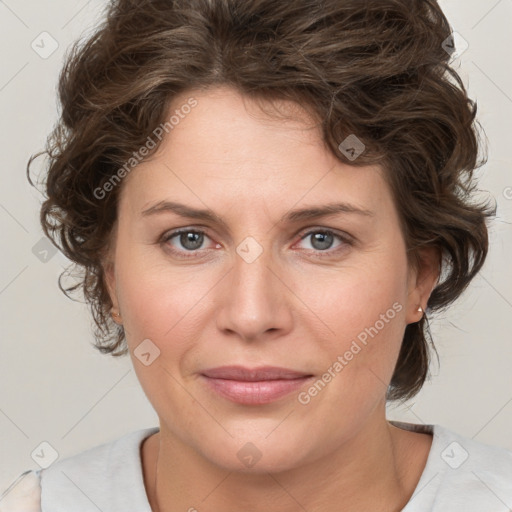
228, 151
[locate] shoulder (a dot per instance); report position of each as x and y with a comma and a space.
24, 494
462, 474
105, 477
480, 472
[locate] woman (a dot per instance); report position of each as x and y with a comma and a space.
267, 198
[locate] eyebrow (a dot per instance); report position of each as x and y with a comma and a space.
293, 216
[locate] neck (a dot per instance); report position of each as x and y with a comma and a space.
380, 464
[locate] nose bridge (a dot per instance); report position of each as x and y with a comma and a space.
255, 300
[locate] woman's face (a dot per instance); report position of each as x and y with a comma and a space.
262, 285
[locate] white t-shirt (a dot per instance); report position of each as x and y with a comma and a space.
461, 475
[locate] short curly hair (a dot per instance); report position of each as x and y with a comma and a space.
378, 70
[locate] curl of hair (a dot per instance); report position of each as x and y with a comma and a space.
374, 69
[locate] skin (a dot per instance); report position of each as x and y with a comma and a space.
290, 307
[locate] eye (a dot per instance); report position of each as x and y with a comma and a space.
188, 242
321, 240
185, 241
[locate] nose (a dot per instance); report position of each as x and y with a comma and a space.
255, 302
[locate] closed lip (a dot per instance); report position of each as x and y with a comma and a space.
262, 373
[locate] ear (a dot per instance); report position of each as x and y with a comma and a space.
110, 283
422, 279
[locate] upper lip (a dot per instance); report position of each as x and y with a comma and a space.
253, 374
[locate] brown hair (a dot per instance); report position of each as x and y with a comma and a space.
378, 70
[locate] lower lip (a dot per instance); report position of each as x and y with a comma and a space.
255, 393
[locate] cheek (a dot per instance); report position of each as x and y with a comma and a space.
164, 304
355, 298
363, 312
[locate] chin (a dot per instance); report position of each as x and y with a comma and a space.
259, 453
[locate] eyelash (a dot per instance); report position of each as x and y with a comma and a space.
346, 239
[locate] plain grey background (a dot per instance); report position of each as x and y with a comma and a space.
55, 388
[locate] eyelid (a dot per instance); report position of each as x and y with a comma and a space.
316, 229
197, 228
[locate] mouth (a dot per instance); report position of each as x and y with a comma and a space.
254, 386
